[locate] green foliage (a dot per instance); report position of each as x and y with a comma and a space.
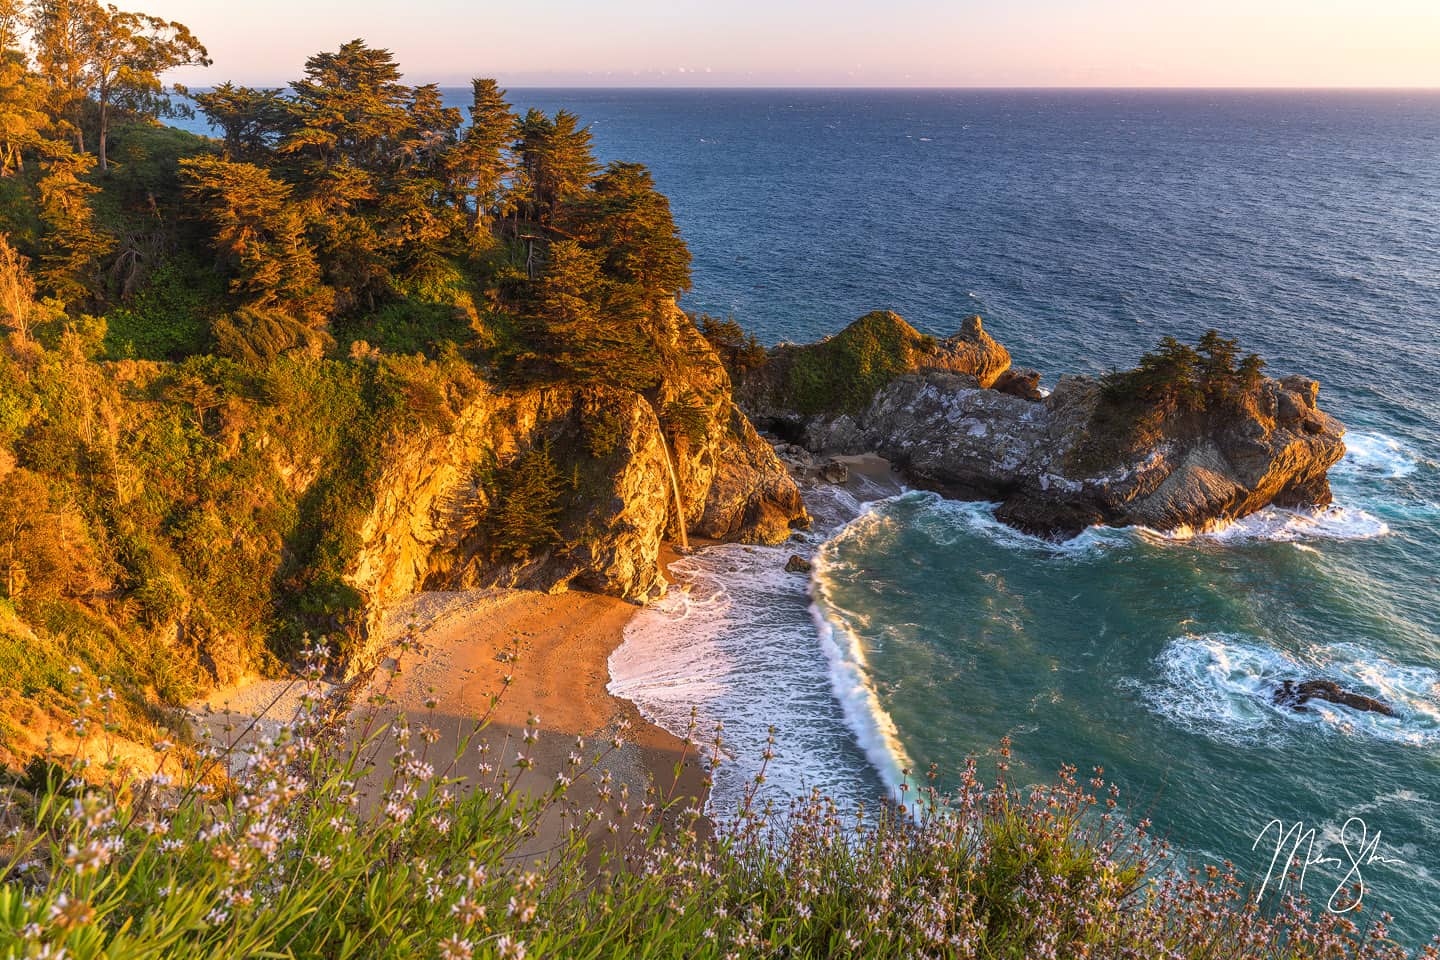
256, 336
409, 326
686, 416
603, 433
525, 507
436, 868
1176, 376
169, 317
628, 220
739, 351
843, 374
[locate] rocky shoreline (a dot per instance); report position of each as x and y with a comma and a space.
1058, 464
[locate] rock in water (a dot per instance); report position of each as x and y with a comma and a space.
835, 472
1291, 694
797, 564
1024, 384
1077, 457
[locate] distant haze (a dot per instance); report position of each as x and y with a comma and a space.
1147, 43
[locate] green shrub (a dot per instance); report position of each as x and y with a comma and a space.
169, 317
603, 432
843, 374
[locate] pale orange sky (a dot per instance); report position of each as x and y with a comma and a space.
1304, 43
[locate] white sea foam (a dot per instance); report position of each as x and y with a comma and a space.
1222, 685
1279, 524
1376, 455
735, 640
844, 649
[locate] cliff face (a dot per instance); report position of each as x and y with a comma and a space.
440, 508
1059, 464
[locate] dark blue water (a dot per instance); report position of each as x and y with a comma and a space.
1084, 226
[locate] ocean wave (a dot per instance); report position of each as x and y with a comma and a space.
1377, 455
1284, 525
844, 649
733, 639
1222, 685
946, 522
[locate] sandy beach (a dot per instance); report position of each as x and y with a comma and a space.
453, 653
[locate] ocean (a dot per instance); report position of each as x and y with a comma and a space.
1083, 226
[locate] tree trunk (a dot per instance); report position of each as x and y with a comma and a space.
104, 131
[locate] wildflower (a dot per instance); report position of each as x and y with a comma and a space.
455, 948
510, 949
467, 911
87, 859
521, 910
68, 914
523, 762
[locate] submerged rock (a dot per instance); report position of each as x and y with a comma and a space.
1295, 695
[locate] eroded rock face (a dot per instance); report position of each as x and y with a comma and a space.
1053, 471
427, 528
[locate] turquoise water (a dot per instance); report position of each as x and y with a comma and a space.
1156, 660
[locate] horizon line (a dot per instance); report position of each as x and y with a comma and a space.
1050, 88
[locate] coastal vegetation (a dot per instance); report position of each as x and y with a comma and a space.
372, 846
214, 349
232, 366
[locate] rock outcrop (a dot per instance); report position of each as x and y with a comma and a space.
610, 453
1061, 463
843, 373
1296, 695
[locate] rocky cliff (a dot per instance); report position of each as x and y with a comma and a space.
1059, 463
603, 502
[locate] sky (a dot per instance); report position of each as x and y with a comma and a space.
887, 43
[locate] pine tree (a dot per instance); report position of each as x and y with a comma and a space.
74, 243
556, 158
252, 120
479, 163
626, 218
350, 108
259, 233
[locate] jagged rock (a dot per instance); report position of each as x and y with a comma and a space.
1295, 695
973, 351
835, 472
797, 564
1055, 466
1021, 383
